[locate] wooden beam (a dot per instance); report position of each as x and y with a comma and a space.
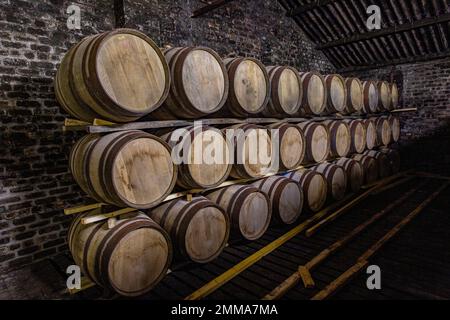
385, 32
119, 14
393, 62
308, 7
209, 7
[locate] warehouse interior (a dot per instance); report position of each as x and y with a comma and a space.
397, 222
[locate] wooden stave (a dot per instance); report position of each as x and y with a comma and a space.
283, 127
95, 266
331, 108
370, 167
177, 104
351, 108
308, 130
306, 107
354, 125
274, 107
333, 127
239, 171
184, 177
329, 171
371, 133
232, 102
304, 178
350, 166
369, 107
177, 224
395, 95
394, 123
233, 207
274, 186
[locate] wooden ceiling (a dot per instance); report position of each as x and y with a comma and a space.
411, 31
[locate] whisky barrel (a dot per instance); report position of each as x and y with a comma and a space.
121, 168
354, 94
199, 84
317, 141
384, 132
385, 96
286, 198
384, 164
370, 97
249, 210
286, 92
119, 76
252, 151
249, 90
370, 167
371, 133
336, 179
394, 123
358, 134
340, 138
199, 229
129, 258
314, 186
394, 96
205, 161
314, 93
354, 171
292, 145
394, 159
337, 93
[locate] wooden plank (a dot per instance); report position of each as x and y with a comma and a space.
86, 283
79, 209
404, 110
105, 216
362, 261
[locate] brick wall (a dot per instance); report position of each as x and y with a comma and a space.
425, 140
35, 183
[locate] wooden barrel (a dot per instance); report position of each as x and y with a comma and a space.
252, 151
205, 161
394, 159
394, 123
370, 97
292, 145
384, 164
336, 179
314, 186
385, 96
337, 93
317, 141
393, 88
371, 133
354, 171
340, 138
129, 258
286, 92
314, 93
121, 168
384, 132
286, 198
370, 167
358, 134
354, 94
199, 84
249, 90
199, 229
118, 76
249, 210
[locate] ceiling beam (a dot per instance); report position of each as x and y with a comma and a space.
409, 60
308, 7
209, 7
387, 31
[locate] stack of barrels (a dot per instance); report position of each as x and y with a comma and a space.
122, 76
